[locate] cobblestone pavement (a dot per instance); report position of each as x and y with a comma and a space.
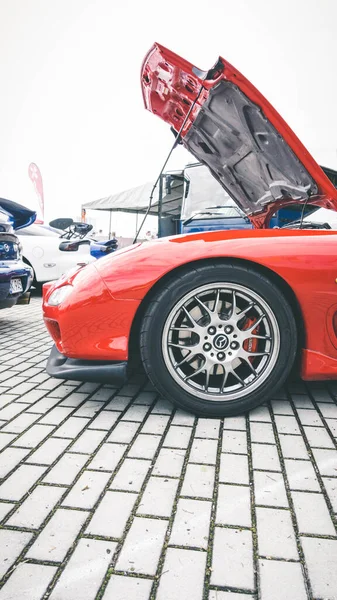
112, 493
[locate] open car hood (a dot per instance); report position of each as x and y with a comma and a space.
229, 126
19, 215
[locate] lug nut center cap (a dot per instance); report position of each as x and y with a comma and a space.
220, 341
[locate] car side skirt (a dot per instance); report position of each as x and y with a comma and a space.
317, 366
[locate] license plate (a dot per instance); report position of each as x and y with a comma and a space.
15, 286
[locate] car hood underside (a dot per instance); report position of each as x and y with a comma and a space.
230, 127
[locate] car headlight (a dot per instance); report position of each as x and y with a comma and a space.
59, 295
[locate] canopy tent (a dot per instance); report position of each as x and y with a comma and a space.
136, 200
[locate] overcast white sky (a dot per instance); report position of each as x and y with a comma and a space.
70, 92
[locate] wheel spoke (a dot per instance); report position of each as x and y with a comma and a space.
233, 304
244, 311
203, 306
253, 336
200, 370
193, 321
252, 327
187, 359
216, 301
191, 329
233, 372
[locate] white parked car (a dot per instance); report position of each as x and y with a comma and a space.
51, 256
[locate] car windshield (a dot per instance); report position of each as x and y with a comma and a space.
205, 198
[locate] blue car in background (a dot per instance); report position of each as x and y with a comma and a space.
15, 276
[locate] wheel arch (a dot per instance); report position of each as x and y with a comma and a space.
284, 287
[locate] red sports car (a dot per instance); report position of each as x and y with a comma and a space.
220, 318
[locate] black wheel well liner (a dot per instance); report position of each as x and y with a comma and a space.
269, 274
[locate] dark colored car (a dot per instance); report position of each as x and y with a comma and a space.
15, 276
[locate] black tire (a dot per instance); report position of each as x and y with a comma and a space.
167, 297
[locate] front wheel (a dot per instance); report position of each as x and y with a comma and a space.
218, 340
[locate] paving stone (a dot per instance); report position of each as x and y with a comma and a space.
49, 451
56, 415
318, 437
191, 523
88, 441
326, 461
207, 428
287, 424
34, 436
11, 410
123, 432
293, 447
131, 475
37, 507
276, 536
198, 481
169, 462
127, 588
42, 406
66, 469
6, 399
265, 457
88, 409
74, 400
261, 413
232, 561
83, 575
103, 394
142, 546
20, 482
233, 506
183, 575
309, 417
262, 433
33, 396
218, 595
118, 403
269, 489
281, 407
5, 439
107, 457
163, 407
5, 508
20, 423
332, 425
234, 441
155, 424
129, 389
57, 537
183, 418
36, 580
88, 387
312, 513
105, 420
86, 491
235, 423
204, 451
158, 497
112, 513
178, 437
331, 489
12, 544
281, 580
329, 411
146, 398
301, 475
145, 446
136, 413
321, 559
10, 458
234, 469
302, 401
71, 428
320, 395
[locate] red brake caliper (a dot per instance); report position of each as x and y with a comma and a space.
250, 345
